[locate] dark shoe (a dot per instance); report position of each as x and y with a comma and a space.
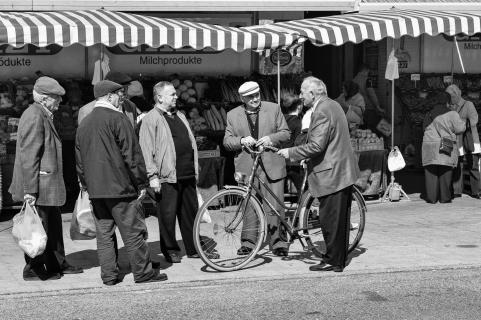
53, 276
113, 282
34, 274
69, 269
281, 252
155, 278
243, 251
476, 196
209, 255
155, 265
457, 195
326, 267
173, 257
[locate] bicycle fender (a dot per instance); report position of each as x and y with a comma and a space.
241, 188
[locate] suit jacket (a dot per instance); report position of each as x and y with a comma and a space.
271, 123
332, 166
38, 165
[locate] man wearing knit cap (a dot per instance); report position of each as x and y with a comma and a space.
111, 168
127, 107
259, 123
38, 178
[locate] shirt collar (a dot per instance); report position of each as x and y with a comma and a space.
107, 105
161, 108
49, 113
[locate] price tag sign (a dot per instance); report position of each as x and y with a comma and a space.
415, 77
448, 79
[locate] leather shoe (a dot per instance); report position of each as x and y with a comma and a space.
209, 255
172, 257
243, 251
39, 274
326, 267
69, 269
113, 282
155, 278
281, 252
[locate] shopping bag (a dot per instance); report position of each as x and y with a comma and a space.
82, 225
28, 231
446, 146
135, 216
468, 141
395, 160
206, 217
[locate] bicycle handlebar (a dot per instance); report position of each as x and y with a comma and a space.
260, 149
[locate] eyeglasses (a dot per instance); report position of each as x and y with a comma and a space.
252, 96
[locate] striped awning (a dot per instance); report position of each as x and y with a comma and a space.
92, 27
357, 27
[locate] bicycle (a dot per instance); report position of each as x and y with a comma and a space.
236, 213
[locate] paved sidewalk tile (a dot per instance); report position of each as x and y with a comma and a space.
406, 235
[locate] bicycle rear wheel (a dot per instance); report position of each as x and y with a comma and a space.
232, 225
309, 217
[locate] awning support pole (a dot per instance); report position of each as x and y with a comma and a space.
278, 78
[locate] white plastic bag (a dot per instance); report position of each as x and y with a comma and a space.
206, 217
28, 231
82, 225
395, 160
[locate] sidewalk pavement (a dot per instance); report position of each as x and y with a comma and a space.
399, 236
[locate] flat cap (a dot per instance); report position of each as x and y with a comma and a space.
248, 88
104, 87
47, 85
118, 77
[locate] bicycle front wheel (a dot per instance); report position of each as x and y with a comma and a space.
224, 224
310, 218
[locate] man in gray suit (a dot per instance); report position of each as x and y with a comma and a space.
332, 170
253, 124
38, 178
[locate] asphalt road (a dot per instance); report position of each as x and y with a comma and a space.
433, 294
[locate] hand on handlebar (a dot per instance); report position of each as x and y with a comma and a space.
284, 153
248, 141
264, 141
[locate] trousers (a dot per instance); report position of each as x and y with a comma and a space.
54, 255
121, 213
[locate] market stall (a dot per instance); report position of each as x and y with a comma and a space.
376, 26
69, 42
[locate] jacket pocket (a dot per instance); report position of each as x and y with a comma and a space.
322, 167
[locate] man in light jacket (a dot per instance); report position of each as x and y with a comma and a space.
170, 154
332, 170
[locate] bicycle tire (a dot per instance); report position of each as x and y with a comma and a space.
219, 237
309, 217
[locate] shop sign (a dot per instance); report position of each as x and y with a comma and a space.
53, 60
283, 56
165, 61
440, 54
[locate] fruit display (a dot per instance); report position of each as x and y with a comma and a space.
366, 140
185, 90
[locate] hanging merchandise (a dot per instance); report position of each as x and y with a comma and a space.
392, 68
395, 160
101, 67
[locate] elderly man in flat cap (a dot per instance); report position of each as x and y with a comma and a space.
38, 178
111, 168
259, 123
128, 107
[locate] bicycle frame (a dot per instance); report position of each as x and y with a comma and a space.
251, 189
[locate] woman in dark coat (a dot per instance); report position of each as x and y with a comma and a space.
440, 122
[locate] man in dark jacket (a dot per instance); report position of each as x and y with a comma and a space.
332, 170
110, 166
38, 178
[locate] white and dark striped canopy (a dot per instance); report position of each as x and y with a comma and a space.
357, 27
91, 27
